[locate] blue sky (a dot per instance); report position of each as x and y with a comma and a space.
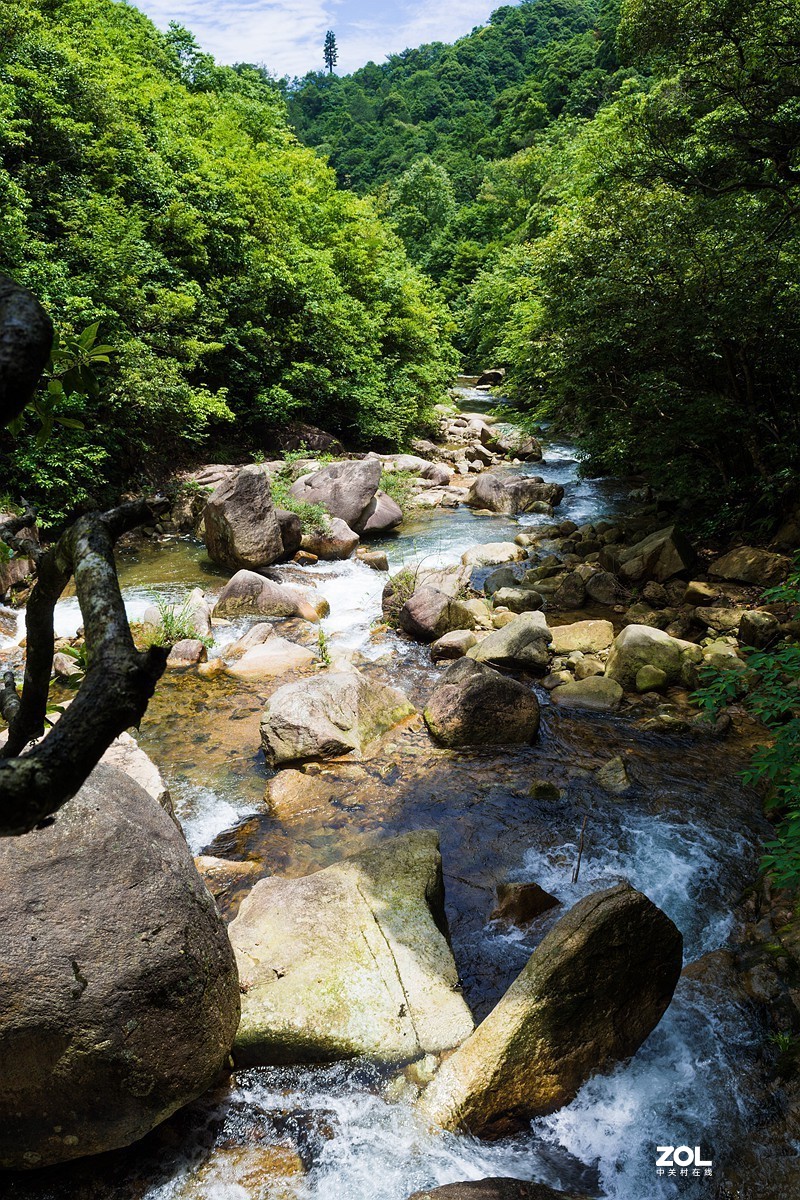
287, 35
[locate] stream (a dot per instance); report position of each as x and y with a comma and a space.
687, 836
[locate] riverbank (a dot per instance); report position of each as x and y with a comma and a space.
503, 816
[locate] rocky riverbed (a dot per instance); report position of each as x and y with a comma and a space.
519, 673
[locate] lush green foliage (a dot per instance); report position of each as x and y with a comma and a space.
145, 188
654, 302
770, 691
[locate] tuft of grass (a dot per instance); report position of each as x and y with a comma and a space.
174, 625
400, 486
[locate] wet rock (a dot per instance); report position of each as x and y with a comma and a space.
660, 556
256, 636
376, 560
491, 378
491, 553
524, 642
639, 646
590, 994
453, 645
276, 656
241, 525
128, 1007
344, 489
187, 653
352, 960
334, 713
337, 541
519, 599
514, 442
494, 1189
248, 595
650, 679
429, 614
596, 693
521, 903
503, 577
757, 628
291, 528
473, 705
613, 777
223, 876
586, 636
747, 564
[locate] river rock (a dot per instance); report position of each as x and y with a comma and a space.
586, 636
334, 713
492, 377
597, 693
613, 776
188, 652
571, 592
241, 524
126, 755
747, 564
249, 595
291, 528
494, 1189
514, 442
428, 614
453, 645
698, 592
490, 554
758, 628
521, 903
334, 542
524, 642
127, 1008
352, 960
519, 599
492, 493
721, 620
344, 489
473, 705
382, 515
604, 588
660, 556
376, 560
502, 577
592, 991
276, 656
650, 679
640, 645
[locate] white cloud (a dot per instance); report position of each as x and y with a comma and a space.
287, 35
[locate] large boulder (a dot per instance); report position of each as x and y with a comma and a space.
748, 564
660, 556
250, 595
242, 528
518, 599
352, 960
490, 554
473, 705
275, 656
494, 1189
334, 713
335, 541
524, 642
592, 991
382, 515
429, 614
758, 628
119, 997
344, 489
513, 442
519, 495
641, 645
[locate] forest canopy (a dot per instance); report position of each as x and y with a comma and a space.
145, 187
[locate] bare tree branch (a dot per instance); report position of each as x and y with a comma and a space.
26, 335
114, 694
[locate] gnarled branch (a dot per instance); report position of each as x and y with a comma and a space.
114, 694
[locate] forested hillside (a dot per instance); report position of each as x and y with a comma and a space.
148, 189
607, 196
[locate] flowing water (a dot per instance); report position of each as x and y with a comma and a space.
686, 836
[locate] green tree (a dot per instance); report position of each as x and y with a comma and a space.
330, 52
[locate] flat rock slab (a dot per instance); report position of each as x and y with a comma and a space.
352, 960
494, 1189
